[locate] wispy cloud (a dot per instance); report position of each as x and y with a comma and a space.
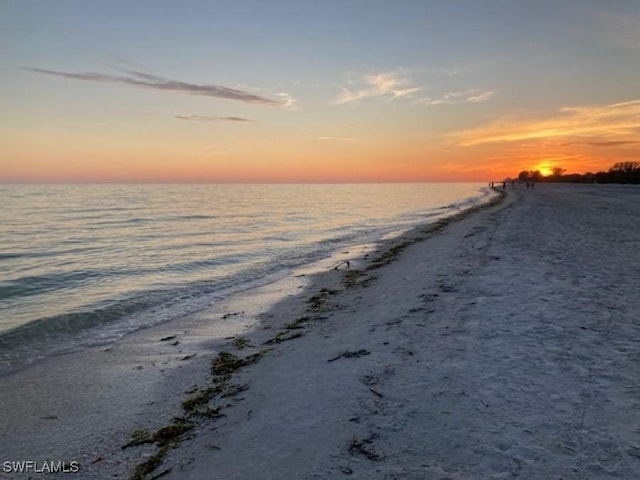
613, 143
287, 101
603, 144
604, 121
388, 85
472, 167
477, 96
468, 96
336, 139
154, 82
206, 118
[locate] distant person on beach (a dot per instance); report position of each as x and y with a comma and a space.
531, 181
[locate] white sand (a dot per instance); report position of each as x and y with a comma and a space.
505, 346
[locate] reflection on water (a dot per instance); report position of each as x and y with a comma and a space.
76, 259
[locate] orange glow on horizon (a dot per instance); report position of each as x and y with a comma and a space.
544, 168
131, 104
295, 169
372, 157
67, 159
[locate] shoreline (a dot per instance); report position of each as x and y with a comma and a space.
479, 347
292, 318
486, 351
73, 393
116, 282
295, 317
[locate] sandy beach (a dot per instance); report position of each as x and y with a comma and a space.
505, 344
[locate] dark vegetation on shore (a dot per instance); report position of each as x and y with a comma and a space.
621, 172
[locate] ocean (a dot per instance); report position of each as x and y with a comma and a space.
84, 265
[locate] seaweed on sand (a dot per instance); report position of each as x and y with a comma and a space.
227, 363
222, 367
163, 436
317, 301
197, 404
297, 323
240, 342
166, 438
283, 337
150, 464
356, 278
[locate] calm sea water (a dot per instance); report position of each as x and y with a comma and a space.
86, 264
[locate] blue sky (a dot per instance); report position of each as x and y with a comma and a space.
359, 79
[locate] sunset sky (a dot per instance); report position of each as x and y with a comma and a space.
349, 90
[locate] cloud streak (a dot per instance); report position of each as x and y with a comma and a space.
154, 82
606, 121
287, 101
336, 139
603, 144
206, 118
468, 96
388, 85
613, 143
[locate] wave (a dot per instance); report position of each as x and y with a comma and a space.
37, 284
99, 274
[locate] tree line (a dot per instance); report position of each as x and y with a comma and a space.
621, 172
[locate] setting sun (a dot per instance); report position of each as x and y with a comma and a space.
546, 169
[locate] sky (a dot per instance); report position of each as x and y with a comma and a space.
315, 91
